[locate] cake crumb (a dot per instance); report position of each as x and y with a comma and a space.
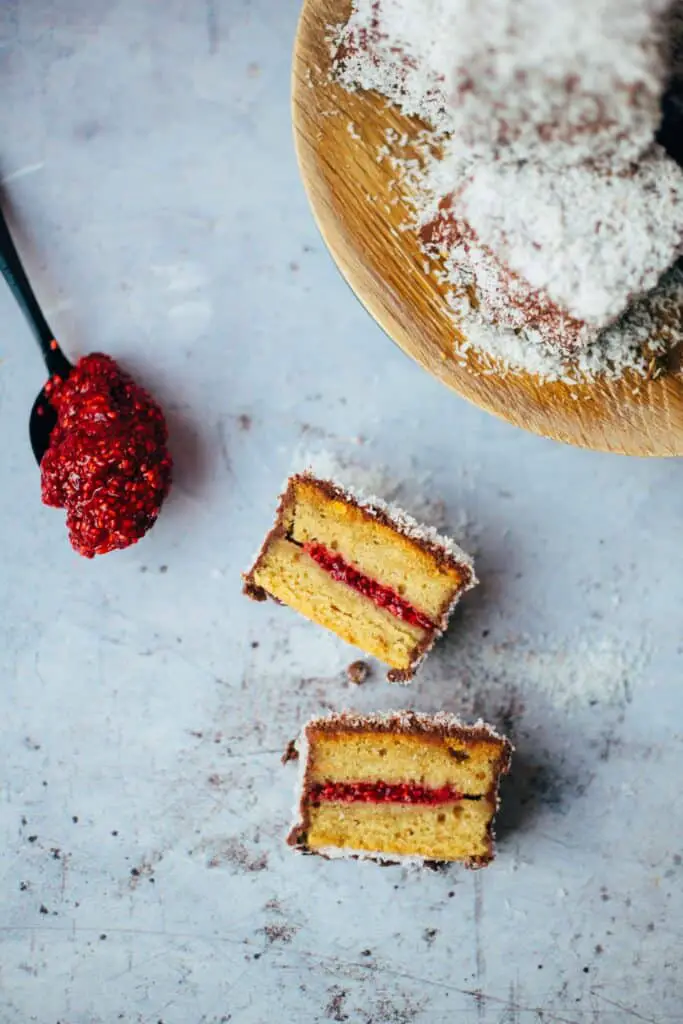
357, 672
291, 753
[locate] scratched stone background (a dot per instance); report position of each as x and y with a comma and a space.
148, 168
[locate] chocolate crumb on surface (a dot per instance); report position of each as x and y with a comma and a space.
291, 753
357, 672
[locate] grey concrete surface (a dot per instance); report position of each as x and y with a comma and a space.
144, 703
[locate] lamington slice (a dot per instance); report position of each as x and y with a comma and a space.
399, 785
361, 568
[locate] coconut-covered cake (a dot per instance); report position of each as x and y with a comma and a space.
399, 786
361, 568
544, 197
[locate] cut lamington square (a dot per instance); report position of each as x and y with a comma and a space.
363, 569
399, 786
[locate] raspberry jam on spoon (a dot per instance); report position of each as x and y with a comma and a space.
107, 463
99, 438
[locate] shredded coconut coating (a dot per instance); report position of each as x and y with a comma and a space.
579, 80
547, 281
590, 241
556, 351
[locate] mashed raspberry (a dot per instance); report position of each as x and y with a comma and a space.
107, 463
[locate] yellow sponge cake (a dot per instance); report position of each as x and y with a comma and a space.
399, 785
361, 568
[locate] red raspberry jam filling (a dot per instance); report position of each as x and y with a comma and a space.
384, 597
107, 463
381, 793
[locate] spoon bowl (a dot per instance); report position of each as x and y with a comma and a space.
43, 417
41, 423
361, 212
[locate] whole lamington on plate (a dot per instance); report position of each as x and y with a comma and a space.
362, 568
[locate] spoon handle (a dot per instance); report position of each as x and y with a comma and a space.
15, 276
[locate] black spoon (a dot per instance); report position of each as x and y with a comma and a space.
43, 417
